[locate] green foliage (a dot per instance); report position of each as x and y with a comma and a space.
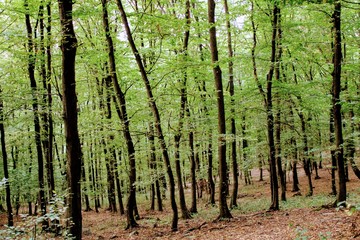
30, 226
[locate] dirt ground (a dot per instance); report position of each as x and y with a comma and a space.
291, 222
314, 222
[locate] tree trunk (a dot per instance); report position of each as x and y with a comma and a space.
5, 164
156, 115
131, 203
267, 98
193, 208
277, 123
183, 105
336, 103
306, 159
153, 166
223, 186
235, 170
73, 148
35, 106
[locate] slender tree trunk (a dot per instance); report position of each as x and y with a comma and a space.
5, 164
156, 115
350, 145
118, 185
223, 186
270, 116
131, 203
35, 105
235, 170
183, 105
210, 170
332, 153
336, 103
193, 208
267, 97
86, 196
153, 164
73, 148
306, 159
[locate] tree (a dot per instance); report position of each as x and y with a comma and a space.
336, 104
235, 170
156, 115
120, 97
35, 106
70, 114
268, 102
5, 163
223, 207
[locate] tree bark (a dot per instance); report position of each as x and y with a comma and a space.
235, 171
5, 164
124, 119
336, 103
35, 106
183, 106
73, 148
156, 115
223, 186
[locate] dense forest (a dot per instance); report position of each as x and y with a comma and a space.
103, 103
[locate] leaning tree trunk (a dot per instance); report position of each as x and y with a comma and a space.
73, 148
156, 115
131, 203
223, 185
5, 164
336, 103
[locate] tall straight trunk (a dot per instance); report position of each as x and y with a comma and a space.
350, 145
118, 185
295, 184
336, 103
73, 148
267, 98
235, 170
35, 106
153, 166
270, 115
277, 124
131, 203
332, 153
49, 158
306, 158
86, 196
204, 95
183, 105
223, 186
45, 111
193, 208
5, 164
156, 115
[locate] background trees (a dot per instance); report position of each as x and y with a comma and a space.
288, 51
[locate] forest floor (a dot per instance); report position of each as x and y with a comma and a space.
300, 217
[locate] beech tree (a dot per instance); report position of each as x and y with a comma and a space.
223, 207
70, 111
5, 163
